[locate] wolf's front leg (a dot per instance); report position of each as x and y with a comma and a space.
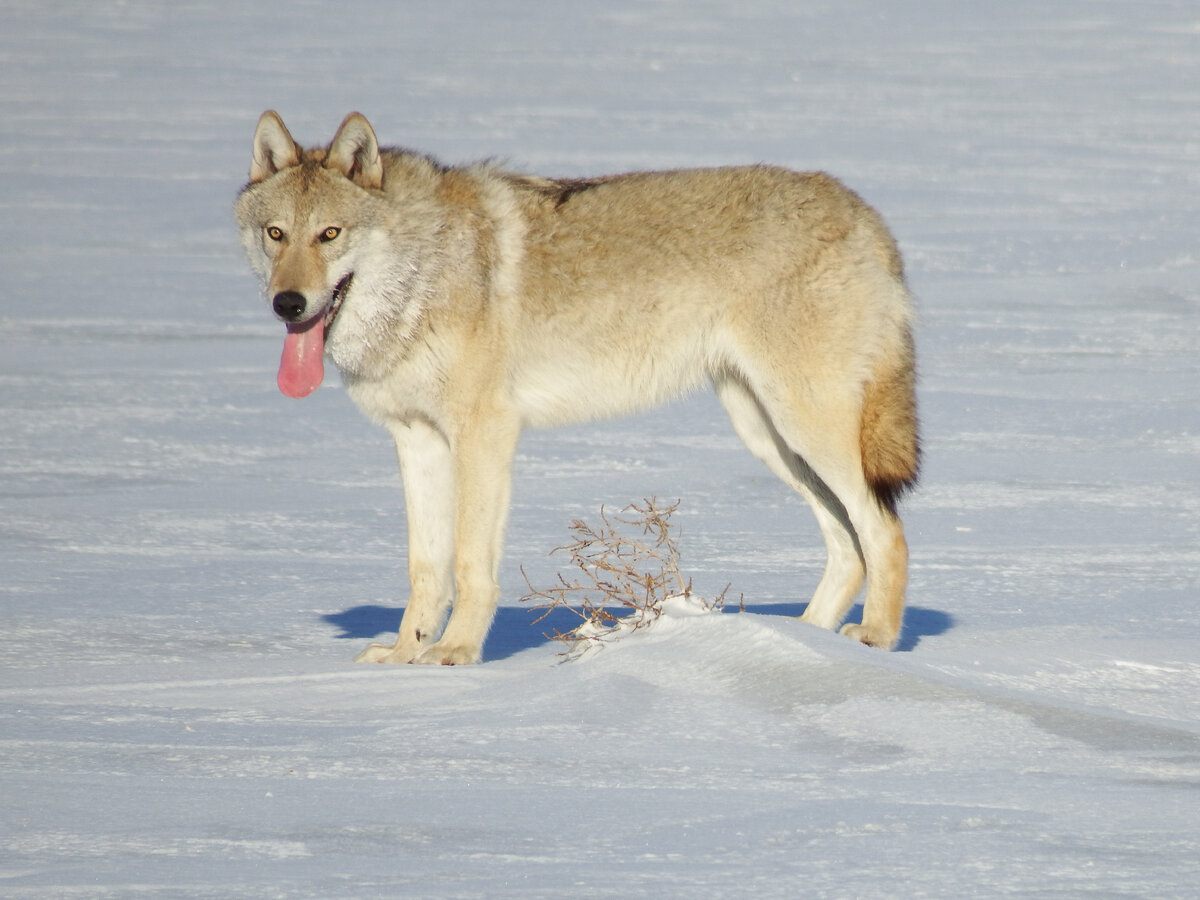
427, 470
483, 460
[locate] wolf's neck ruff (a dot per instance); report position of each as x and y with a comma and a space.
302, 366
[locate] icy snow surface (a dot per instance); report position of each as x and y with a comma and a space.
190, 560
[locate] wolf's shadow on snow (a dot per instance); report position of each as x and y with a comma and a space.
919, 621
514, 628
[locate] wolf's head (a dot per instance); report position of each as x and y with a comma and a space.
309, 220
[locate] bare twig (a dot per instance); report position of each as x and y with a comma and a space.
629, 565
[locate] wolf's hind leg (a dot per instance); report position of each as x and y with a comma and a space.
844, 572
823, 427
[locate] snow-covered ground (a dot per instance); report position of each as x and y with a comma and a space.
191, 560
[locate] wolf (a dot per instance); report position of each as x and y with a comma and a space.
462, 304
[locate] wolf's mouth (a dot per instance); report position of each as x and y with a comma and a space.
335, 304
300, 367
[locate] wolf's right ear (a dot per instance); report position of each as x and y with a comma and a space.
274, 148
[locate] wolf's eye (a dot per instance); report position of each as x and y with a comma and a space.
275, 233
330, 233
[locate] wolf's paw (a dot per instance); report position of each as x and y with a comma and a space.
388, 653
873, 637
441, 654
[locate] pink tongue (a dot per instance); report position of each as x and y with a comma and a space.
301, 368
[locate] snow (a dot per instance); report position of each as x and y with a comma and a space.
191, 560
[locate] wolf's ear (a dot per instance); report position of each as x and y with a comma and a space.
355, 153
274, 148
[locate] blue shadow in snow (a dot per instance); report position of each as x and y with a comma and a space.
919, 621
516, 627
513, 629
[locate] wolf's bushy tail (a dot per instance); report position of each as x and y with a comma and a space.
888, 434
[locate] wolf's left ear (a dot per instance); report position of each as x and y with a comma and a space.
274, 148
355, 153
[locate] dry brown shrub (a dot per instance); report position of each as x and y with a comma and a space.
630, 567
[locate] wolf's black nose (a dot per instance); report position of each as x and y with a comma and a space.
289, 305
